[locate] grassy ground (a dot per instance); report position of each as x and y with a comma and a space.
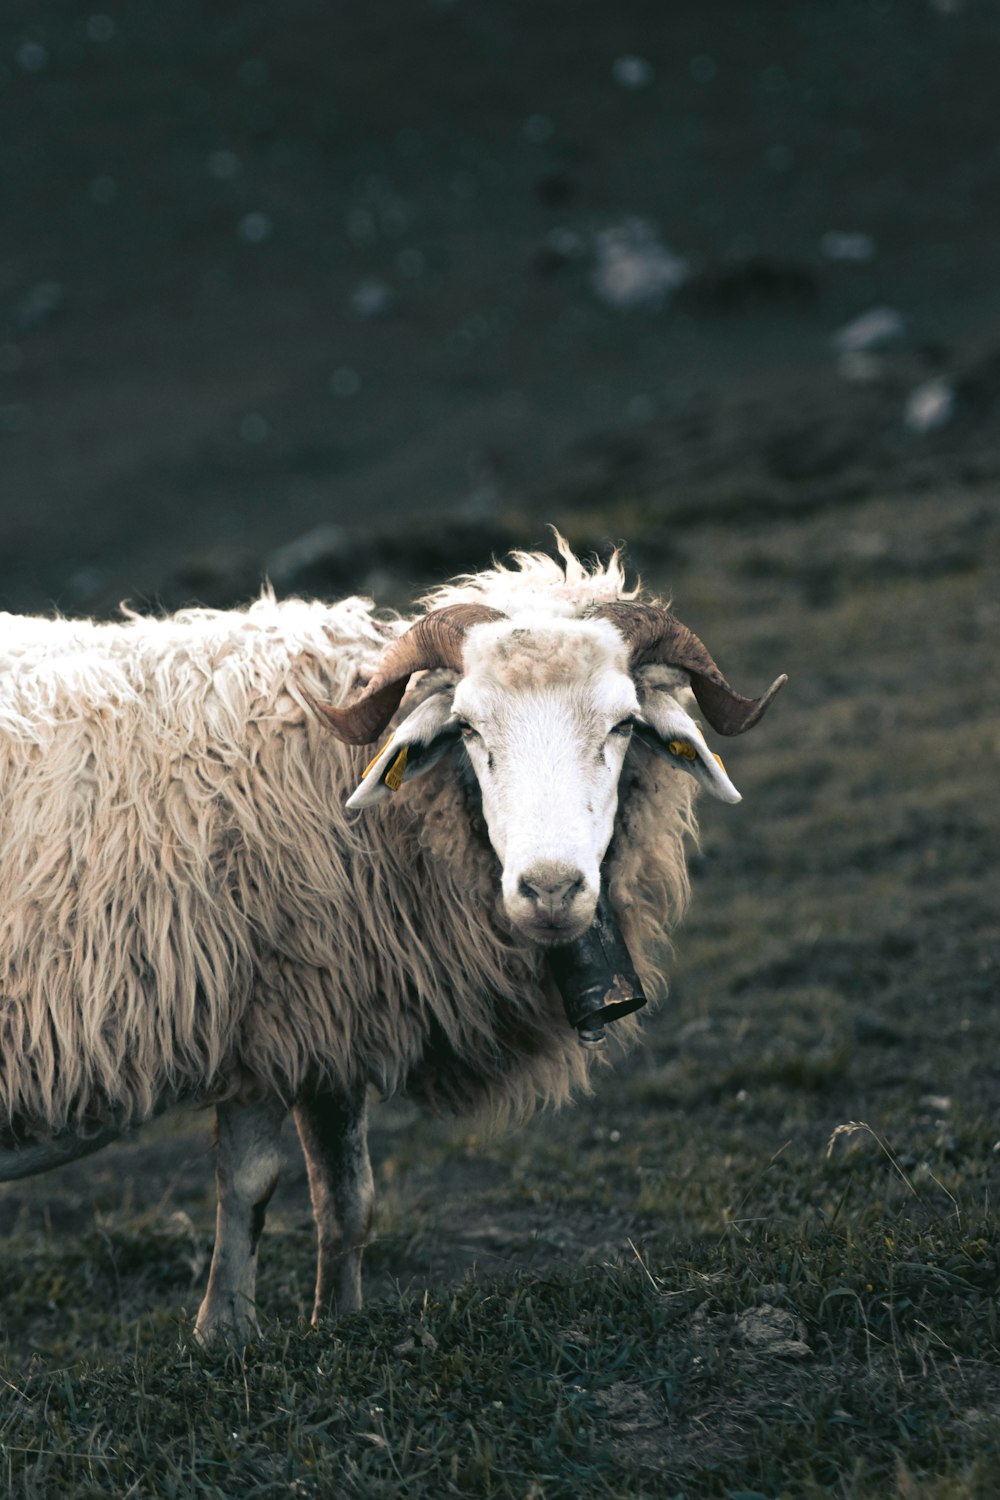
679, 1287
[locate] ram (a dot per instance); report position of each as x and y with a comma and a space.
207, 897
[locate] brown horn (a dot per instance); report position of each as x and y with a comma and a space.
435, 641
655, 635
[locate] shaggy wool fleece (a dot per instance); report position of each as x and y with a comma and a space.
188, 912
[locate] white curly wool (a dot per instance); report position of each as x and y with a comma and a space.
187, 911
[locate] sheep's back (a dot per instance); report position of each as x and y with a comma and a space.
130, 763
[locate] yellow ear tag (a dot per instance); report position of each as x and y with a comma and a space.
377, 756
393, 778
719, 762
683, 748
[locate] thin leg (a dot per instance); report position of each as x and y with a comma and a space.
41, 1156
246, 1175
334, 1134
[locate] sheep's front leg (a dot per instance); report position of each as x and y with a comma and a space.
246, 1175
334, 1134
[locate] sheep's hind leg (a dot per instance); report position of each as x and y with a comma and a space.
28, 1158
246, 1175
333, 1130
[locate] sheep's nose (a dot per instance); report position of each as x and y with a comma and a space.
550, 887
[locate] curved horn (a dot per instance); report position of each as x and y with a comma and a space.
434, 641
655, 635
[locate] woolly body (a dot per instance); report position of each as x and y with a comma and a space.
187, 911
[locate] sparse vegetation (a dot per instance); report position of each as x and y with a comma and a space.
672, 1289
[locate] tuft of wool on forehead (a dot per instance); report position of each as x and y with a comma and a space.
525, 655
570, 584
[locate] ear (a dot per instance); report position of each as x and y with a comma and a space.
670, 732
418, 743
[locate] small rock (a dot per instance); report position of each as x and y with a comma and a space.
874, 329
633, 268
929, 406
773, 1330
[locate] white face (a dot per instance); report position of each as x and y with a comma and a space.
545, 713
546, 722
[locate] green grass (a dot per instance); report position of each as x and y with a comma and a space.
580, 1308
614, 1380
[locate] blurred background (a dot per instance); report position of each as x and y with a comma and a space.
355, 295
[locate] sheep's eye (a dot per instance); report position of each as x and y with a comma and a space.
467, 732
624, 727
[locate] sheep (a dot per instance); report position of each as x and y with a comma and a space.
207, 897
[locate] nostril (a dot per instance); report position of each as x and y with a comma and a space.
551, 888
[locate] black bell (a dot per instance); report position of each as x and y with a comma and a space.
595, 977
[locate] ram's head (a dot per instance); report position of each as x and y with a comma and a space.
545, 710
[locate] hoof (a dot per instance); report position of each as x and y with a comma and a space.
216, 1329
